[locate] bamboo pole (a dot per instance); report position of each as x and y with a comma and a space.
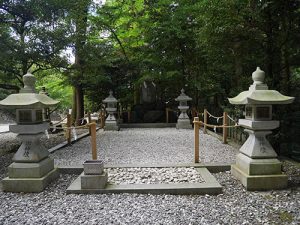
205, 121
225, 123
167, 115
196, 129
93, 140
69, 122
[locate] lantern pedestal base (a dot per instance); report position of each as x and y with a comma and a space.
30, 177
184, 124
28, 185
30, 170
260, 182
111, 125
259, 174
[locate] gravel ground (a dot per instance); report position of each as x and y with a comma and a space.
147, 146
233, 206
153, 175
10, 143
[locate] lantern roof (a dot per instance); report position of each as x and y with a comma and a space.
110, 98
259, 93
28, 98
183, 97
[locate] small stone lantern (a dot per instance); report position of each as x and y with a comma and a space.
183, 121
257, 166
32, 169
111, 108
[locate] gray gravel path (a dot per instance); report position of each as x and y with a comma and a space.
147, 146
233, 206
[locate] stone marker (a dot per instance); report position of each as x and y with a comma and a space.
111, 108
183, 121
32, 170
257, 166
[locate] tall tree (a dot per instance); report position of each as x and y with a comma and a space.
33, 37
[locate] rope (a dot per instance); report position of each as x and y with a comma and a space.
59, 121
216, 117
214, 126
197, 113
230, 118
86, 126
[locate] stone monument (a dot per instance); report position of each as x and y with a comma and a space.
257, 166
32, 169
183, 121
111, 108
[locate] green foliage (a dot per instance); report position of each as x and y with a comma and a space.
34, 35
57, 88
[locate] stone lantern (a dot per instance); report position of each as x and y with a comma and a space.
183, 121
31, 169
111, 108
257, 166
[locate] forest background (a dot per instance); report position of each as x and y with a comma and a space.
79, 50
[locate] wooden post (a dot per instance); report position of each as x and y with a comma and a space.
225, 123
89, 121
205, 121
69, 122
196, 129
167, 115
93, 140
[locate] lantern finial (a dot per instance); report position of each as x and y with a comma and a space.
258, 76
29, 83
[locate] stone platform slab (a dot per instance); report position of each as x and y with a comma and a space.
209, 186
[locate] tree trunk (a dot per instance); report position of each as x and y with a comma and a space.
79, 104
81, 28
74, 104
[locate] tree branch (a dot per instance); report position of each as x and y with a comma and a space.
10, 87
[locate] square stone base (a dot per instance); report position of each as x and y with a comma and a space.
111, 126
183, 124
260, 182
93, 181
29, 184
258, 166
30, 170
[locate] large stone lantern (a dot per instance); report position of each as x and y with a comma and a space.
31, 169
257, 166
111, 108
183, 121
